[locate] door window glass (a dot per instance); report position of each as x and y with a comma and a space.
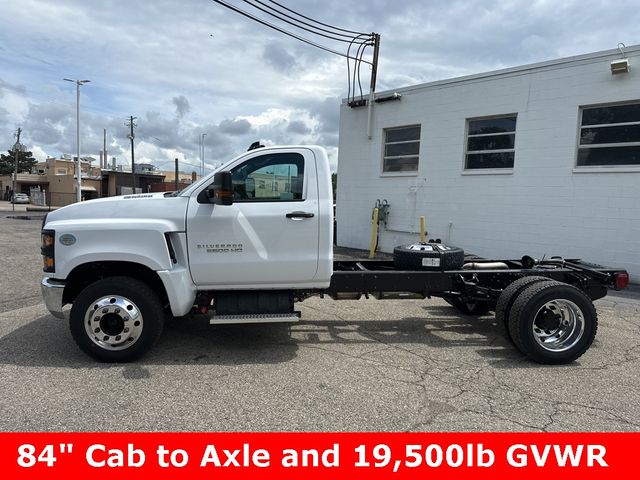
273, 177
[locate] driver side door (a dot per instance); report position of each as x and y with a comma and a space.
269, 235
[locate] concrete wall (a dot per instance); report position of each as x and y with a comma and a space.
544, 206
120, 183
61, 190
167, 187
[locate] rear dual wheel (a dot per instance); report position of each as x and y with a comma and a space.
508, 296
552, 322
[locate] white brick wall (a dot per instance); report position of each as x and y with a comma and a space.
542, 208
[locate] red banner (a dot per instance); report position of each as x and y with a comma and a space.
321, 456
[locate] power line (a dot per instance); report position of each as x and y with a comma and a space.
359, 65
356, 70
349, 65
179, 161
280, 16
316, 21
363, 40
281, 30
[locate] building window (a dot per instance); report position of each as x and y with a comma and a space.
491, 142
609, 136
401, 149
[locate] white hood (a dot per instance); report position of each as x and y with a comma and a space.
145, 207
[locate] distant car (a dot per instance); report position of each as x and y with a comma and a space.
20, 198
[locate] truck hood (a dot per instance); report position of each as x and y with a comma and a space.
145, 208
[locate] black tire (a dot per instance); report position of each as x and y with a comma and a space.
116, 319
509, 294
476, 309
552, 322
410, 257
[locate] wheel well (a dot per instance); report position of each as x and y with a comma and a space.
84, 275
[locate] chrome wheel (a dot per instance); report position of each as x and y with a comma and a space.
558, 325
113, 322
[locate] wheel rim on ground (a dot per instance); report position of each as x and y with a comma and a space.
558, 325
113, 322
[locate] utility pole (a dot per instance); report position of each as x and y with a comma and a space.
16, 152
133, 164
202, 135
374, 74
176, 174
104, 148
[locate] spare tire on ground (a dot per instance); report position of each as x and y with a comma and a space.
428, 256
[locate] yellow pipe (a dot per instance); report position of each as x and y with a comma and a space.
423, 231
374, 233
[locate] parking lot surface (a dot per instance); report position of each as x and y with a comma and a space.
366, 365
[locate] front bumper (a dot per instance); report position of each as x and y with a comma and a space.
52, 291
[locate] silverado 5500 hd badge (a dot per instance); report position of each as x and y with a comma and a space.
220, 247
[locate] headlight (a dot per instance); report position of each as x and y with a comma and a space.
47, 250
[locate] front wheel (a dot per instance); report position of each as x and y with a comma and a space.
552, 322
116, 319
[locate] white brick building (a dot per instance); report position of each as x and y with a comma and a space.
542, 159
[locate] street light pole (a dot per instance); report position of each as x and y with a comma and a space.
78, 165
17, 148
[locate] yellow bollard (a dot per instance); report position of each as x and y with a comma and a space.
374, 233
423, 231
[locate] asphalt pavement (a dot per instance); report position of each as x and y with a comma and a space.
365, 365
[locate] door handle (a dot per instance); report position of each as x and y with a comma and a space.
299, 215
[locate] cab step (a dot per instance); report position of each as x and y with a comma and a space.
255, 318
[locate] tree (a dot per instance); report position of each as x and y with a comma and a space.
26, 161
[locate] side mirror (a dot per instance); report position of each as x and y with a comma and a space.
222, 191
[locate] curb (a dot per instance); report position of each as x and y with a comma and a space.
41, 209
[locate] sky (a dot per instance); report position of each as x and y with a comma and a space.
188, 67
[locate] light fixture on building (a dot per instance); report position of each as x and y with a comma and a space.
389, 98
620, 65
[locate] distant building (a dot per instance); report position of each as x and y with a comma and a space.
115, 182
55, 178
145, 168
54, 182
184, 180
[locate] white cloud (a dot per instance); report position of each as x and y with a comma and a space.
15, 104
38, 153
269, 117
186, 68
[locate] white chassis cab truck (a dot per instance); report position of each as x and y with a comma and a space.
248, 241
